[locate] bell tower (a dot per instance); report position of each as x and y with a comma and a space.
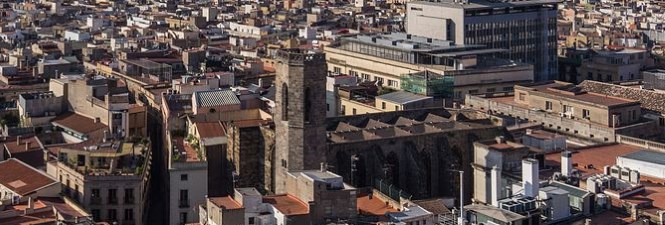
300, 113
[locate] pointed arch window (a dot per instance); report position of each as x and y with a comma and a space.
308, 105
285, 102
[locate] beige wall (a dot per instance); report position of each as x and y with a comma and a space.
225, 216
598, 114
348, 106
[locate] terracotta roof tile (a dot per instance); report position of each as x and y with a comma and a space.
210, 129
287, 204
23, 179
225, 203
78, 123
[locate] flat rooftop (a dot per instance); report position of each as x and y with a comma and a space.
481, 4
598, 156
646, 156
402, 97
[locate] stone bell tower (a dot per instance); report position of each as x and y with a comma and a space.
300, 113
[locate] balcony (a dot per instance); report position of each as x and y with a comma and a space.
184, 203
113, 201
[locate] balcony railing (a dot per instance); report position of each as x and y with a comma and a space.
184, 203
113, 201
129, 201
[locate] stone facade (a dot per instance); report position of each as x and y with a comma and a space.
300, 113
417, 161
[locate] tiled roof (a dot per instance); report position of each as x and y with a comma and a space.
210, 129
78, 123
23, 179
650, 100
225, 203
216, 98
287, 204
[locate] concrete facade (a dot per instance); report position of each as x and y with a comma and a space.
527, 28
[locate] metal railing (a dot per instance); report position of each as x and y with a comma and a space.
391, 190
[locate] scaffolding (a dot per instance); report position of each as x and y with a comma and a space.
427, 83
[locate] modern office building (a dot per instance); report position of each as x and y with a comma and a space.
526, 28
427, 66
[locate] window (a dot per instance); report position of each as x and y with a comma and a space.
392, 83
490, 90
184, 198
507, 89
129, 215
379, 80
307, 103
113, 196
183, 177
365, 76
327, 107
548, 105
661, 121
383, 105
95, 197
354, 111
586, 114
96, 215
353, 73
337, 70
129, 196
112, 215
474, 91
183, 218
396, 108
285, 102
251, 220
633, 114
522, 96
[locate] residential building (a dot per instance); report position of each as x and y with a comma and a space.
490, 154
24, 183
612, 65
566, 108
107, 176
526, 28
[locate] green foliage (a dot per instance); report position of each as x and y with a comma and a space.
9, 120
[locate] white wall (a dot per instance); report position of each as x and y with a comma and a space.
197, 186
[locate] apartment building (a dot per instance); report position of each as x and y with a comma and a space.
402, 61
494, 156
312, 197
569, 109
526, 28
107, 176
614, 65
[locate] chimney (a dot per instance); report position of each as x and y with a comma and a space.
27, 146
31, 204
496, 185
529, 131
106, 135
18, 140
566, 163
261, 82
323, 167
530, 182
500, 139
